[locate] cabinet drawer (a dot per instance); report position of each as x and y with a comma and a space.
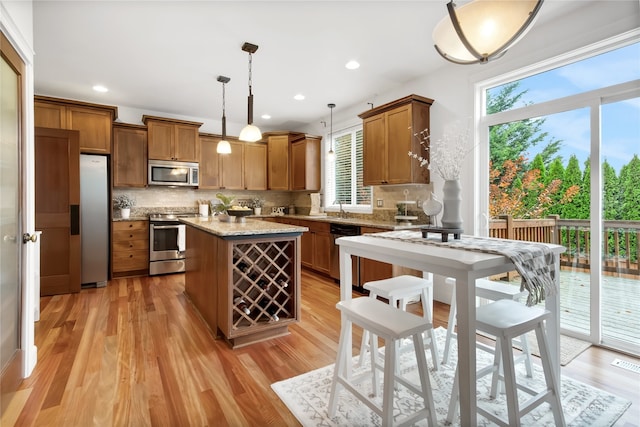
130, 260
131, 225
128, 235
130, 244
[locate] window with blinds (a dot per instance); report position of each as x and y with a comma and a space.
344, 174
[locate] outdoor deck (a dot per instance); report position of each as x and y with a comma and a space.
620, 305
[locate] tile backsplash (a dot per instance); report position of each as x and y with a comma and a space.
161, 199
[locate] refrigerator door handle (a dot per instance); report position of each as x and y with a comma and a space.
74, 213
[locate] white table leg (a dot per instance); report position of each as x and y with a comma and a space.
552, 303
466, 313
346, 276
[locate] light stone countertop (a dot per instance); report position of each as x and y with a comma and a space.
251, 227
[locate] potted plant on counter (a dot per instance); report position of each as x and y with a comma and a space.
222, 207
124, 203
257, 203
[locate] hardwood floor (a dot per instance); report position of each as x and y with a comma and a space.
136, 353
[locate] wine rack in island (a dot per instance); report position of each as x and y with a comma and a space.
264, 290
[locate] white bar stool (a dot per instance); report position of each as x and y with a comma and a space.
392, 325
401, 289
506, 320
494, 291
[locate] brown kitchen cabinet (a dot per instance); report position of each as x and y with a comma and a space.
245, 168
129, 155
293, 161
171, 139
305, 163
278, 160
258, 273
371, 270
130, 248
93, 121
316, 246
388, 133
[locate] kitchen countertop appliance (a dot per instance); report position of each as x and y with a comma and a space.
342, 230
167, 243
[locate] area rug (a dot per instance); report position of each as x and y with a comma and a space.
570, 347
307, 396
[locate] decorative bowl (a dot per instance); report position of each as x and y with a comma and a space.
239, 213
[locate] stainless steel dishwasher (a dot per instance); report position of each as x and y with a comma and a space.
342, 230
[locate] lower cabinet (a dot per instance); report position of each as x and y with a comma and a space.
316, 245
247, 289
370, 269
130, 248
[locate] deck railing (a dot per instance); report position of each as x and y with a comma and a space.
621, 251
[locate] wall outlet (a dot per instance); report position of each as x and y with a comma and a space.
379, 203
419, 203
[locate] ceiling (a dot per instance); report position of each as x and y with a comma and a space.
165, 56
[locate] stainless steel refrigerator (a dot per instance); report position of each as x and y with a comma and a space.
94, 219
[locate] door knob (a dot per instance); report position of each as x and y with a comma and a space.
26, 238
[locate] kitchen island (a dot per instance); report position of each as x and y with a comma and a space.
243, 278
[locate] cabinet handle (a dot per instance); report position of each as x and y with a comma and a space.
130, 235
131, 256
130, 225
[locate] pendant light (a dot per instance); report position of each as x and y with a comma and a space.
483, 30
331, 155
250, 132
223, 145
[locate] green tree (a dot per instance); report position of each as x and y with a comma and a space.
555, 172
572, 176
630, 189
611, 192
509, 141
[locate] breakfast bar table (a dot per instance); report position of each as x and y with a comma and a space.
465, 266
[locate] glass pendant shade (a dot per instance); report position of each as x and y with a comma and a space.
223, 147
483, 29
250, 133
331, 155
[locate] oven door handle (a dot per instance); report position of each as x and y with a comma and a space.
164, 227
182, 235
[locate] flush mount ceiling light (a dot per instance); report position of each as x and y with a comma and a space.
250, 132
299, 97
100, 88
352, 65
331, 155
483, 30
223, 145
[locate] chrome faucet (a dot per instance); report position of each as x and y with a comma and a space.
342, 213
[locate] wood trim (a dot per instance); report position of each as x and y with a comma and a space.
394, 104
146, 118
71, 102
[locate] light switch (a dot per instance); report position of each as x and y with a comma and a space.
379, 203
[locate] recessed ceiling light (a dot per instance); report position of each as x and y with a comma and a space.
299, 97
266, 116
352, 65
100, 88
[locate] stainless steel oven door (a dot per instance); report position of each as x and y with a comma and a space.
167, 241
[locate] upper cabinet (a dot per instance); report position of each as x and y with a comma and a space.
93, 121
278, 159
388, 132
129, 155
170, 139
245, 168
305, 163
293, 161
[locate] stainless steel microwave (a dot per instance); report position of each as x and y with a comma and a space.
183, 174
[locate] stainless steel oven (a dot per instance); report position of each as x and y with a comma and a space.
167, 245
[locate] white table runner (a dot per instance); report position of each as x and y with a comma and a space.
533, 261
